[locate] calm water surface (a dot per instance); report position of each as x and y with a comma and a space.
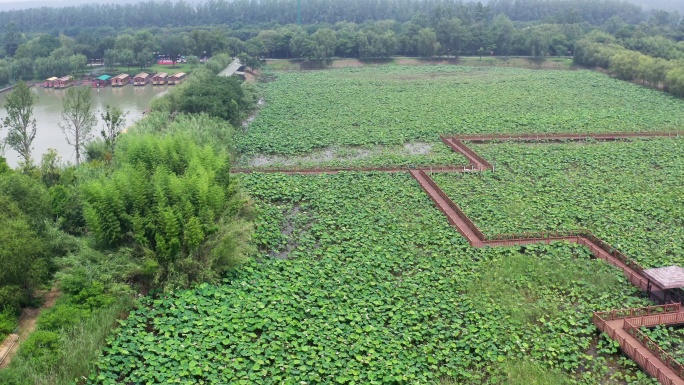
48, 110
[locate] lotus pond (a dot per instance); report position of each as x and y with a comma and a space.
376, 288
627, 193
394, 105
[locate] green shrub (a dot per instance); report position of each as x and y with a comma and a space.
8, 321
41, 345
29, 195
165, 195
75, 281
61, 316
13, 297
222, 97
92, 296
97, 150
67, 208
4, 167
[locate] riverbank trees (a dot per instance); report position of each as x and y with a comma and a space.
20, 124
163, 213
78, 118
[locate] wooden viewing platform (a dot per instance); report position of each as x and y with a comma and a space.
621, 326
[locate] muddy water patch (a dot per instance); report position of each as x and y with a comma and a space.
295, 224
418, 148
254, 114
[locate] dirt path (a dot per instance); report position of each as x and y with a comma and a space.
27, 324
251, 76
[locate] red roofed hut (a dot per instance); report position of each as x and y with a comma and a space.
160, 78
141, 79
120, 80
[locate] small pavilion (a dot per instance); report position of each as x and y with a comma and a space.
670, 279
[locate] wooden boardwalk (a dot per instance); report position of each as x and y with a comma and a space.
622, 326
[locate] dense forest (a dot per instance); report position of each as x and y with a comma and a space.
242, 12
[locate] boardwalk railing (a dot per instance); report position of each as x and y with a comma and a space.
480, 235
541, 235
670, 308
330, 170
632, 328
471, 154
474, 158
561, 136
633, 319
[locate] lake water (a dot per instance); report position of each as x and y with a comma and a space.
48, 110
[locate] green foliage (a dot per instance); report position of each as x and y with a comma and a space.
67, 208
374, 289
393, 105
61, 362
97, 151
4, 167
41, 345
8, 321
21, 256
669, 339
165, 194
201, 129
62, 316
217, 96
601, 50
20, 122
114, 119
13, 297
78, 118
29, 195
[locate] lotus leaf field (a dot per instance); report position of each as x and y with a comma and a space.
360, 279
395, 105
627, 193
377, 289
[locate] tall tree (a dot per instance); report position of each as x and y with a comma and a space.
450, 34
114, 119
427, 42
78, 118
20, 124
126, 56
11, 38
173, 46
324, 42
503, 31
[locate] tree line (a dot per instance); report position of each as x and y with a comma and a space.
36, 56
432, 29
244, 12
600, 49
